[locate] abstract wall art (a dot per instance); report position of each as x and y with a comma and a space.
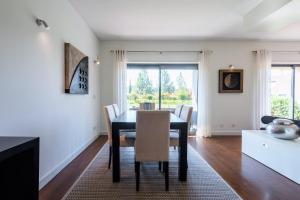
76, 71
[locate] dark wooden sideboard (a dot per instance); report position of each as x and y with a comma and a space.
19, 168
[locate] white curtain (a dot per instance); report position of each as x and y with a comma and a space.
203, 118
119, 79
262, 87
195, 89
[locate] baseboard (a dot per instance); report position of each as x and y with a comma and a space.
214, 133
103, 133
52, 173
226, 133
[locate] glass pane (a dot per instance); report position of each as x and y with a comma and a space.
297, 93
143, 87
178, 87
281, 91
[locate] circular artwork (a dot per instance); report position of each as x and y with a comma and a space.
231, 80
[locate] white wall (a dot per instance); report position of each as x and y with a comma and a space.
230, 112
33, 102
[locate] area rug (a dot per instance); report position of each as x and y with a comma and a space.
202, 181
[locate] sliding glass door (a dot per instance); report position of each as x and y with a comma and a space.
282, 91
285, 91
166, 85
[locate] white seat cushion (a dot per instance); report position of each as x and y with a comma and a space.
174, 138
129, 134
127, 139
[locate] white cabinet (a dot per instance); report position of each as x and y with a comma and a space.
282, 156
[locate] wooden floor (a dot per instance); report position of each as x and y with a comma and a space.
58, 186
250, 179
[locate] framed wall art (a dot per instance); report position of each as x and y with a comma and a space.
231, 81
76, 71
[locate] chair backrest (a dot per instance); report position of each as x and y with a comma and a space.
186, 113
116, 109
109, 114
178, 110
152, 136
147, 106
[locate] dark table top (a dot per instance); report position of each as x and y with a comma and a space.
11, 142
130, 117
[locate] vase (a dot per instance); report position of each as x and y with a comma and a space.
283, 129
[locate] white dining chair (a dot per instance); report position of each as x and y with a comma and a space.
147, 106
127, 139
116, 109
178, 110
186, 115
177, 113
152, 141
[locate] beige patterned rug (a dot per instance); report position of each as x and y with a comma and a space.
202, 181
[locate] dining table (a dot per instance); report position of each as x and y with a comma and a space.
127, 121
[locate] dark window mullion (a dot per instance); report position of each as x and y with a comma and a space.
293, 91
159, 88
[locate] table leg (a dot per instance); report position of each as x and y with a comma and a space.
182, 152
115, 152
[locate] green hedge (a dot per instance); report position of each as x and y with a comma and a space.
168, 103
169, 100
282, 107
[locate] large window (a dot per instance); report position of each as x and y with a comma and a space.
166, 85
143, 86
285, 94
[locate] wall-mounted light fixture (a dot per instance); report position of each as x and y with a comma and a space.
231, 67
42, 23
97, 61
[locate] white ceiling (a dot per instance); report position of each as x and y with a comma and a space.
192, 19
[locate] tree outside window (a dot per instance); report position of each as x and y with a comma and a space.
173, 87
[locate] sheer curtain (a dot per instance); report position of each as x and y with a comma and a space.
262, 86
119, 79
203, 118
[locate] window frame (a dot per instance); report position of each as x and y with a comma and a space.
293, 82
164, 66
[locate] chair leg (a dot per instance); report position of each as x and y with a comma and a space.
166, 171
159, 166
109, 161
137, 176
162, 169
